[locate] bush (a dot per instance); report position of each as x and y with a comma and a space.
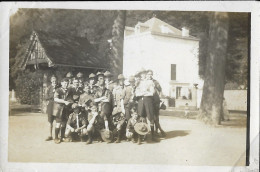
28, 86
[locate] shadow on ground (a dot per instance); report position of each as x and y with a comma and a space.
176, 133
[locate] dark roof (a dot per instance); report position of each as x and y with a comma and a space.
64, 49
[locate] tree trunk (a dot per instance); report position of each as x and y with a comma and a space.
213, 90
116, 57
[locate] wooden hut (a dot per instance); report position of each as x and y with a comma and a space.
51, 52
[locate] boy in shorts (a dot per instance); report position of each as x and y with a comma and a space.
76, 125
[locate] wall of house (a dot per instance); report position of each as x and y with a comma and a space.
158, 53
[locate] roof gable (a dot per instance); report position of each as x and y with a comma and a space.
157, 25
67, 50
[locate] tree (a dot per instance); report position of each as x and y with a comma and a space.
116, 58
213, 90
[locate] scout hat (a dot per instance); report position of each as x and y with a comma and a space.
69, 75
107, 136
92, 75
141, 128
100, 73
142, 70
108, 74
131, 79
79, 75
120, 76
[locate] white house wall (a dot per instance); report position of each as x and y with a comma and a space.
158, 53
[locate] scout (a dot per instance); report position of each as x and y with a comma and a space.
129, 95
60, 109
76, 125
79, 76
96, 122
156, 102
118, 114
74, 92
130, 130
49, 97
108, 82
144, 93
92, 82
69, 76
103, 96
86, 98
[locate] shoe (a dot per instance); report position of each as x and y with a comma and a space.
49, 138
68, 139
118, 140
163, 134
133, 140
57, 141
89, 141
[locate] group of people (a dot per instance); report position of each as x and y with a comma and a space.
102, 109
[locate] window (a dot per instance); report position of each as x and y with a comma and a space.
173, 72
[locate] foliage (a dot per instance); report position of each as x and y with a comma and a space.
97, 26
28, 87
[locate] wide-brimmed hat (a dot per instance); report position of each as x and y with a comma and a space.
141, 128
79, 75
108, 74
69, 75
131, 79
142, 70
92, 75
106, 135
120, 76
100, 73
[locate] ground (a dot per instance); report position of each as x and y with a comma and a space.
188, 142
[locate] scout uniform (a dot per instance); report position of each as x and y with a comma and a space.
96, 123
81, 80
129, 97
92, 85
74, 94
69, 76
144, 93
49, 96
118, 116
77, 121
109, 84
130, 131
61, 110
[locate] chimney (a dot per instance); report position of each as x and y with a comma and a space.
185, 32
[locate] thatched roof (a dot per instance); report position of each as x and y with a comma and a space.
66, 50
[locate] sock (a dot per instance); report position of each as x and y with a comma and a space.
62, 134
152, 130
57, 130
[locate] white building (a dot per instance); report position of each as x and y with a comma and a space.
171, 53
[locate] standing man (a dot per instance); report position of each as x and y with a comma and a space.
49, 96
69, 76
156, 101
81, 80
129, 96
74, 92
108, 82
144, 93
92, 82
118, 114
60, 109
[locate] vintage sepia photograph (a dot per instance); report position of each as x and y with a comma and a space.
98, 86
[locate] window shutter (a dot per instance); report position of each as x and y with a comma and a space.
173, 72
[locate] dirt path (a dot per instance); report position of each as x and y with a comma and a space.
188, 142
